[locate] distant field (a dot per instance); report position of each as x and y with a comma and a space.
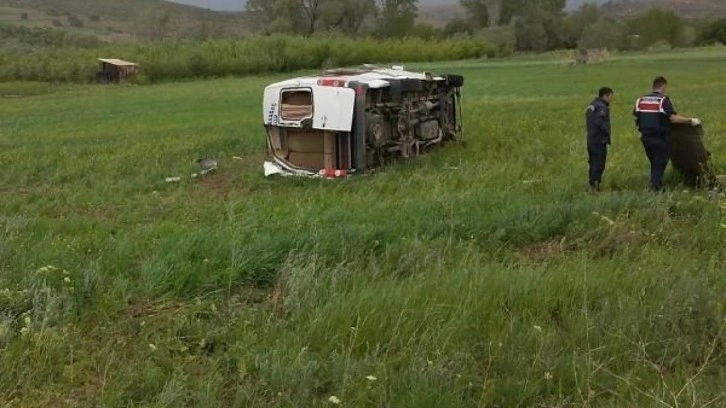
479, 275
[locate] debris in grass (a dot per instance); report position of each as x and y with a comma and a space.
173, 179
207, 165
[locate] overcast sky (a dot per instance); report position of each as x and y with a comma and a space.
236, 5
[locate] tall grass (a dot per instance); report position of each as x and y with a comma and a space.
254, 55
478, 275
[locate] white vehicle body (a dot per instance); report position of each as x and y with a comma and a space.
348, 120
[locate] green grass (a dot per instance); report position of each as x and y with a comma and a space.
478, 275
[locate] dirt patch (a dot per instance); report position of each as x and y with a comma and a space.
229, 179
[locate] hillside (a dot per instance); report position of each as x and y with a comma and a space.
119, 20
686, 8
440, 12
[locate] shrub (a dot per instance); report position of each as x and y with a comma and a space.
714, 32
74, 21
603, 34
502, 40
253, 55
657, 25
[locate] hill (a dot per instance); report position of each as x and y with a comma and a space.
440, 12
123, 19
686, 8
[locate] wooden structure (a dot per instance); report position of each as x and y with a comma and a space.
112, 70
591, 56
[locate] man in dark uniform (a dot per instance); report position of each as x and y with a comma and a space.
654, 113
597, 117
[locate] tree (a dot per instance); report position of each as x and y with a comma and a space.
539, 29
531, 36
478, 12
575, 23
307, 17
603, 34
458, 26
485, 13
658, 25
276, 16
714, 32
347, 16
395, 18
517, 8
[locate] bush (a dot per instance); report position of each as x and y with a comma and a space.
712, 33
74, 21
603, 34
660, 45
531, 37
657, 25
501, 40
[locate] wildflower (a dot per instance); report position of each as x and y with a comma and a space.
152, 347
334, 400
547, 376
24, 331
371, 378
67, 280
538, 328
27, 321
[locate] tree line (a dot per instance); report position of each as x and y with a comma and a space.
385, 18
508, 25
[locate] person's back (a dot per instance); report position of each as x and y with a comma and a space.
654, 113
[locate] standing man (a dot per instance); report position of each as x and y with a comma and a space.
653, 115
597, 117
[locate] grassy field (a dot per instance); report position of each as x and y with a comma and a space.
480, 275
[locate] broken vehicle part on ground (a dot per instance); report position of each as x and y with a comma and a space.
347, 121
690, 157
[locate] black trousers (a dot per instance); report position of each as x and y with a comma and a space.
656, 148
597, 154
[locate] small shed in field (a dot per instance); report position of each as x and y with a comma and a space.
111, 70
